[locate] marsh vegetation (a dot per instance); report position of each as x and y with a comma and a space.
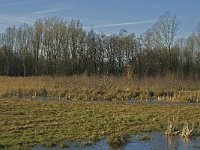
27, 123
102, 88
82, 108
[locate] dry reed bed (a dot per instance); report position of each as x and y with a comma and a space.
167, 88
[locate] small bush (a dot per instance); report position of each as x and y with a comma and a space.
145, 138
117, 139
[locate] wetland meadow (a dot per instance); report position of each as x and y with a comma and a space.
39, 112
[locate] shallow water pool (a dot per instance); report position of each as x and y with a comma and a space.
157, 141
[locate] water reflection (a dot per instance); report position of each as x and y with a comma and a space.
172, 141
158, 142
164, 142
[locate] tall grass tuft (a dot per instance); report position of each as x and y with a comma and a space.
174, 128
117, 139
186, 132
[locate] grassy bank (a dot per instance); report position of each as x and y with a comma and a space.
26, 123
167, 88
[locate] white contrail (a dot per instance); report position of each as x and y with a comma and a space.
48, 11
121, 24
18, 19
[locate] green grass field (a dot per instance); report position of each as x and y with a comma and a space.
27, 123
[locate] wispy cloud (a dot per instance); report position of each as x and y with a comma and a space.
48, 11
18, 19
121, 24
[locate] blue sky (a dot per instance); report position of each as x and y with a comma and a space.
107, 16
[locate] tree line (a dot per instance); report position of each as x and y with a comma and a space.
53, 46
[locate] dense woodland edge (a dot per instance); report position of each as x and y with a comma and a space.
53, 46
